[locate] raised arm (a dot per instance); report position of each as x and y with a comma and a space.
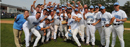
84, 16
31, 8
43, 19
34, 4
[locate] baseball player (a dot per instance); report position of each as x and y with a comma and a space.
106, 21
73, 24
57, 23
118, 27
64, 20
90, 21
81, 28
31, 22
98, 26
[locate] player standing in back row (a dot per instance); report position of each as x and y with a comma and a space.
120, 18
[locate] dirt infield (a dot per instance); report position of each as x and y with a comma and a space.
7, 21
127, 21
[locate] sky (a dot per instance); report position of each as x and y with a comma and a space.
28, 3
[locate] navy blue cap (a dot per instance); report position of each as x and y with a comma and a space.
76, 6
76, 9
91, 6
116, 3
102, 7
96, 7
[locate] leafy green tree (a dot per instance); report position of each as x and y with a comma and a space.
126, 8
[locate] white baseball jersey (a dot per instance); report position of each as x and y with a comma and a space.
105, 18
82, 20
98, 15
57, 20
90, 17
65, 16
31, 21
74, 24
119, 15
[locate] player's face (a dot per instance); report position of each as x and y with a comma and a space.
37, 9
26, 13
52, 12
96, 9
85, 6
38, 15
47, 22
91, 9
86, 10
102, 10
69, 15
116, 6
58, 14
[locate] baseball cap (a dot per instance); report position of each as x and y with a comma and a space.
116, 3
91, 6
76, 6
51, 6
76, 9
69, 8
57, 11
54, 8
102, 7
60, 7
48, 6
63, 8
48, 10
96, 7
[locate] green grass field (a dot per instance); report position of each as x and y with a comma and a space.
7, 38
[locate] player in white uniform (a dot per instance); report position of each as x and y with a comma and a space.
57, 24
81, 28
98, 26
106, 21
73, 24
91, 22
118, 26
31, 22
64, 19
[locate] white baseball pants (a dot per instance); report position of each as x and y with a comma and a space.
81, 32
90, 32
55, 32
74, 33
37, 34
107, 32
101, 35
118, 30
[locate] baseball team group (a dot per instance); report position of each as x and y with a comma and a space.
70, 22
